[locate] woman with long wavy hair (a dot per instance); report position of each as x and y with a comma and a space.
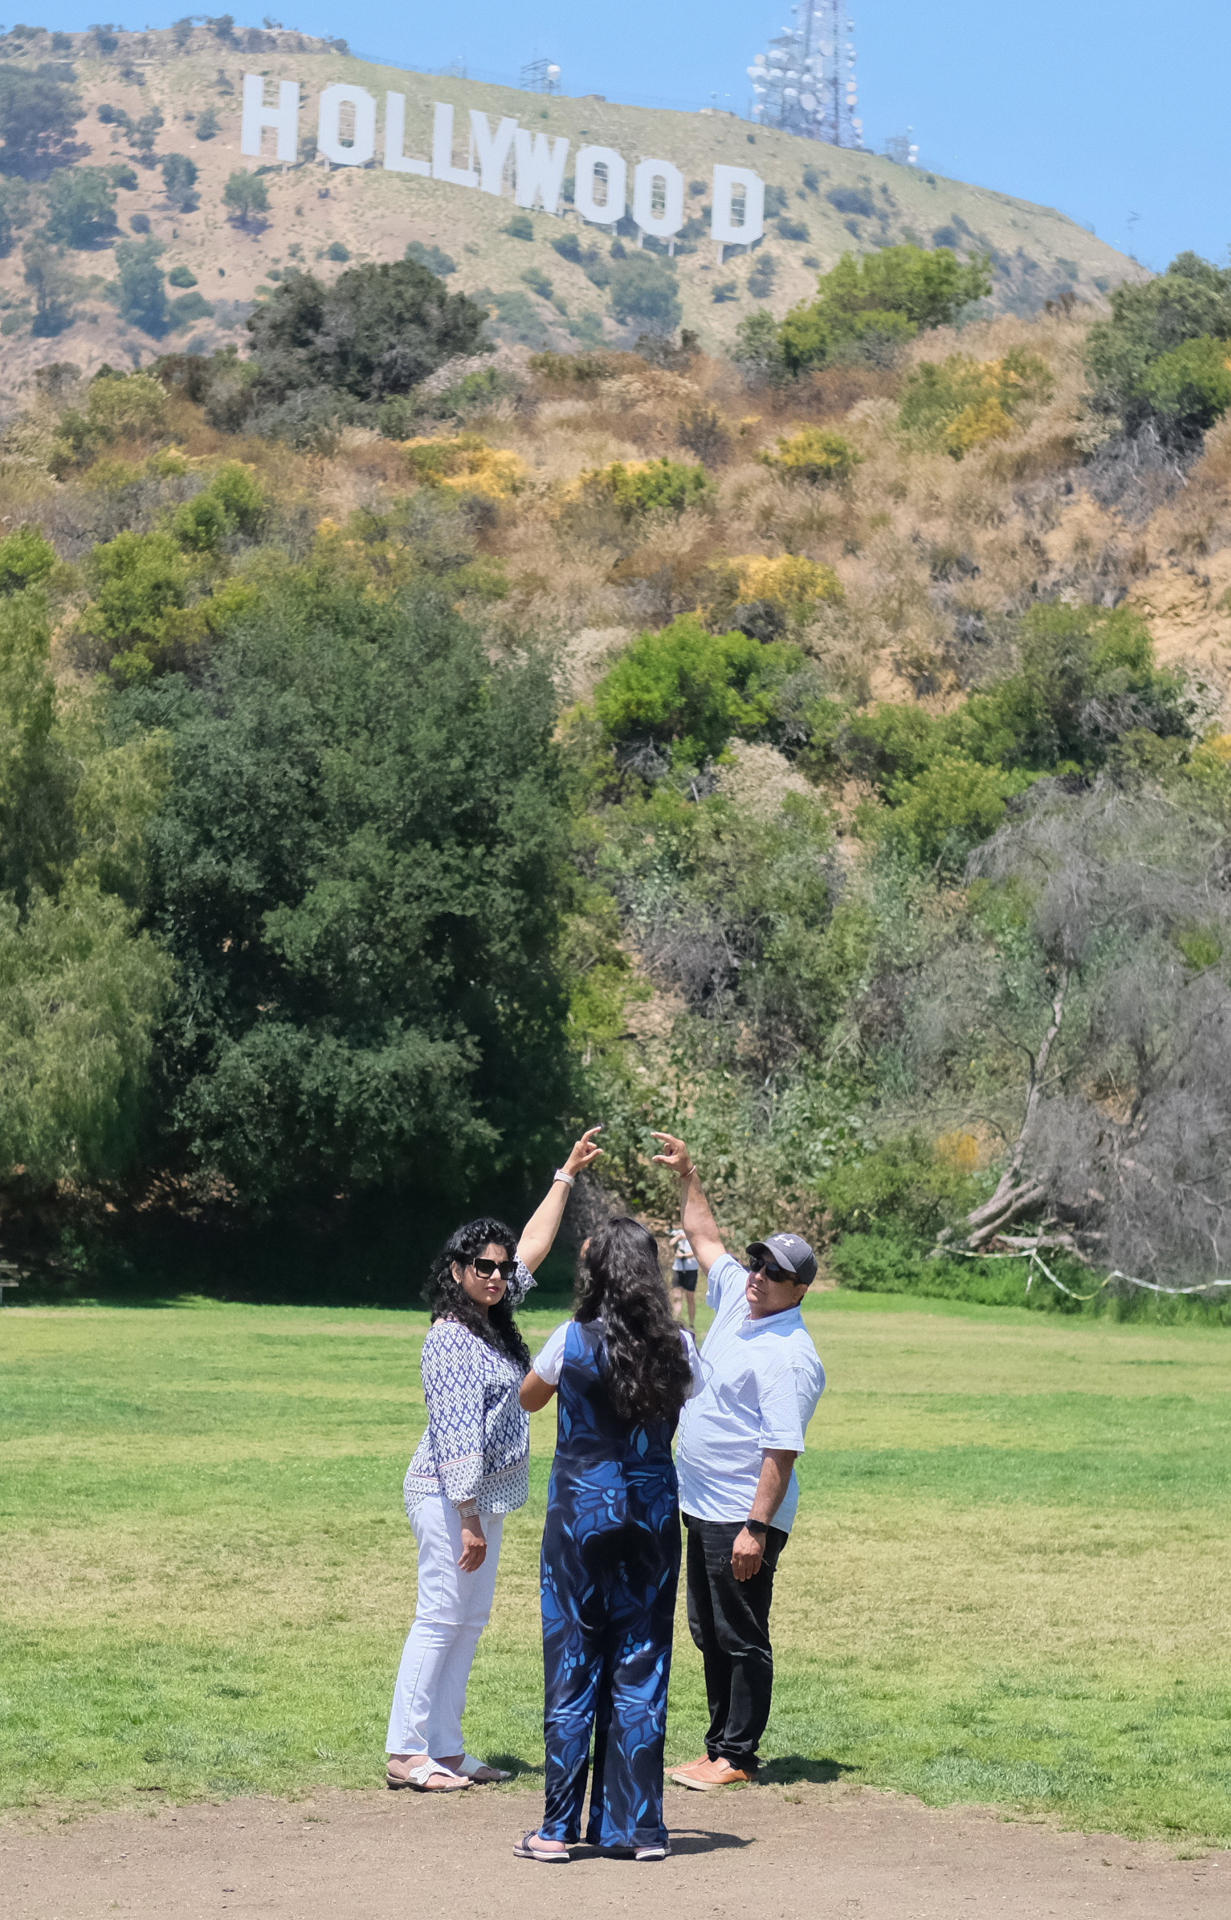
471, 1468
611, 1548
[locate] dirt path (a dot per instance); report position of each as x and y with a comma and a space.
776, 1853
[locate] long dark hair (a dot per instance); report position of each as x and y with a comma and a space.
647, 1372
449, 1301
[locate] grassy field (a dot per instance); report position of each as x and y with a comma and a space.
1008, 1585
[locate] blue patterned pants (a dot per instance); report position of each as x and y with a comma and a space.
610, 1568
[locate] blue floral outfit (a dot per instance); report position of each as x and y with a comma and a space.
610, 1566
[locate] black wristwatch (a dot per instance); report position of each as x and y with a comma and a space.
756, 1527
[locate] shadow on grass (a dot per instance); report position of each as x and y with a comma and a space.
796, 1769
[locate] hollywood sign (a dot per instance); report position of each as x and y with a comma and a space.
346, 134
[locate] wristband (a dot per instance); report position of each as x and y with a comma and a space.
560, 1174
757, 1528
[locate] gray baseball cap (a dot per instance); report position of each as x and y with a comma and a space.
791, 1252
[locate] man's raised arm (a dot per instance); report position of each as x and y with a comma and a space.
698, 1221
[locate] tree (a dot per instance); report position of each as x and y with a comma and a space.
208, 124
143, 133
80, 987
142, 287
1122, 980
868, 307
179, 179
361, 897
1161, 359
247, 196
376, 332
644, 293
38, 117
53, 286
80, 207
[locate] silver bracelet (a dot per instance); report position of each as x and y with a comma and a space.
560, 1174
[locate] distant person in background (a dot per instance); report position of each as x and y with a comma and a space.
683, 1277
611, 1548
471, 1468
739, 1440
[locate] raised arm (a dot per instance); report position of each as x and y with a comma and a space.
695, 1213
539, 1233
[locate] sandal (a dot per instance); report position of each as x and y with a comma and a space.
481, 1772
659, 1851
525, 1849
417, 1778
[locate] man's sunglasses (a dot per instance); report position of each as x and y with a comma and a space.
760, 1262
488, 1269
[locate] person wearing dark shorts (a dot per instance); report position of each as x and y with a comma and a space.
739, 1439
683, 1277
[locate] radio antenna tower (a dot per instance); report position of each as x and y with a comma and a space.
805, 81
541, 76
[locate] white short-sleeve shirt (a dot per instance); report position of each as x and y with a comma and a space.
550, 1358
763, 1380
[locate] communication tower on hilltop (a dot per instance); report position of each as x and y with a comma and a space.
541, 76
805, 82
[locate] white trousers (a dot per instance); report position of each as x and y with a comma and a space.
451, 1612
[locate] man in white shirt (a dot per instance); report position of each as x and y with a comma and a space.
739, 1439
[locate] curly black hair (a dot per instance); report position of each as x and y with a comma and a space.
646, 1371
449, 1301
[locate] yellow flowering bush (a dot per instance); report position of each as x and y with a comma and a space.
787, 586
466, 463
815, 455
963, 403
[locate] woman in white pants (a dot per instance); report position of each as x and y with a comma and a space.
471, 1468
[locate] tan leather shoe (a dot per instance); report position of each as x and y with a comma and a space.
687, 1776
715, 1773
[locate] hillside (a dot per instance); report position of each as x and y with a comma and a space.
821, 202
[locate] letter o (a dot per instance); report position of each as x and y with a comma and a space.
607, 212
329, 125
671, 219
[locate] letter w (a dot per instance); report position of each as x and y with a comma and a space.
540, 169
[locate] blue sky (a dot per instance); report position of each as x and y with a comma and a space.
1116, 114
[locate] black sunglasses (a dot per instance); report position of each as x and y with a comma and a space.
760, 1262
487, 1269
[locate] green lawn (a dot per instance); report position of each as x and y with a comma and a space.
1009, 1583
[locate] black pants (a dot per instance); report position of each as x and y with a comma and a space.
729, 1620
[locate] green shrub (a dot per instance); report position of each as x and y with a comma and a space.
80, 207
337, 250
435, 259
190, 307
689, 690
647, 486
519, 227
141, 585
1161, 357
233, 504
644, 293
142, 286
814, 454
947, 809
868, 307
25, 559
962, 403
904, 1186
1189, 389
181, 277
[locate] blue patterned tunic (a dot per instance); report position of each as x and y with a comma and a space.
477, 1442
610, 1564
